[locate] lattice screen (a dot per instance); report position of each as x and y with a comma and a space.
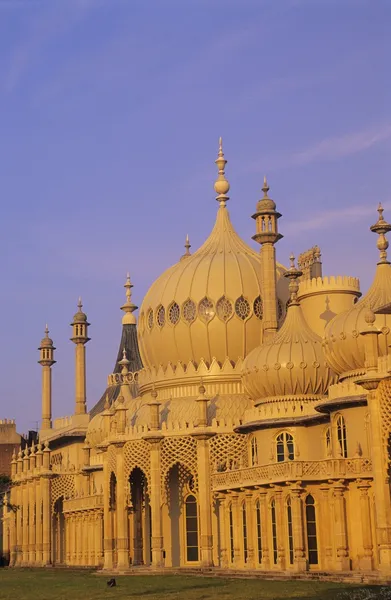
228, 451
112, 459
384, 391
61, 485
137, 454
182, 451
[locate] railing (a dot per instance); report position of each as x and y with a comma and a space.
83, 503
312, 470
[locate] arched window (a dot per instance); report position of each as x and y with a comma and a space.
327, 442
341, 436
254, 452
259, 531
274, 530
285, 447
191, 529
244, 525
312, 542
231, 534
290, 529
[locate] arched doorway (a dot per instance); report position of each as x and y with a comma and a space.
182, 535
58, 528
139, 519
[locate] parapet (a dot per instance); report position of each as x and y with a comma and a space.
321, 285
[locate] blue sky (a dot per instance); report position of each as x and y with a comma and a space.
110, 114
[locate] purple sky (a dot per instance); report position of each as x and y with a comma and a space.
110, 113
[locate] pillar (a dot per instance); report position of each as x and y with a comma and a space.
264, 527
205, 500
366, 562
46, 521
300, 562
122, 515
326, 552
19, 525
107, 521
13, 524
38, 521
251, 529
223, 525
32, 521
280, 529
342, 562
236, 528
155, 503
25, 531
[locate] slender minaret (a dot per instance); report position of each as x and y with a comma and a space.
80, 338
128, 308
267, 235
46, 361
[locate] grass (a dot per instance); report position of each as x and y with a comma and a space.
41, 584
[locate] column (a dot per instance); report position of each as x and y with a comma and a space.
32, 521
325, 528
280, 529
46, 525
19, 525
67, 519
342, 562
12, 519
300, 562
25, 534
155, 503
122, 515
366, 562
97, 538
73, 540
236, 528
38, 521
107, 521
264, 529
251, 529
205, 500
224, 538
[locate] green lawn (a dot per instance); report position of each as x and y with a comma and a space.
30, 584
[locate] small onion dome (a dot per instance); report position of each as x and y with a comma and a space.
265, 203
291, 363
46, 342
80, 316
343, 345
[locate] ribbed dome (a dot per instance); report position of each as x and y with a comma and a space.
291, 364
209, 305
343, 345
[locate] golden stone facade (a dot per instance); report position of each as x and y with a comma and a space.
246, 424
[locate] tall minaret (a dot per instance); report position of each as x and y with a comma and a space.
80, 338
46, 361
267, 235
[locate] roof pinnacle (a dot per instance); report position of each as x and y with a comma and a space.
221, 185
265, 188
128, 307
293, 274
381, 227
187, 248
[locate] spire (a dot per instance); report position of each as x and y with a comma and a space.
187, 248
128, 308
221, 184
381, 227
293, 274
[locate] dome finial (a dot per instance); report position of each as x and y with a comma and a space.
265, 188
80, 304
187, 248
381, 228
46, 331
128, 307
293, 274
221, 184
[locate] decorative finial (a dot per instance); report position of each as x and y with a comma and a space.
381, 228
293, 274
187, 248
46, 331
221, 184
128, 307
80, 304
107, 402
265, 188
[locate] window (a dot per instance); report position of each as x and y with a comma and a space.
244, 524
242, 308
150, 318
290, 529
231, 534
254, 452
327, 441
174, 313
285, 447
206, 310
341, 437
160, 316
189, 311
312, 543
259, 531
258, 307
191, 529
274, 530
224, 308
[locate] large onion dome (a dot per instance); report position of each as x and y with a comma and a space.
292, 363
209, 304
343, 344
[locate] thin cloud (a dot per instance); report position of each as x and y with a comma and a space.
328, 218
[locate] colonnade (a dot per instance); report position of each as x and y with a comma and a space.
84, 538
